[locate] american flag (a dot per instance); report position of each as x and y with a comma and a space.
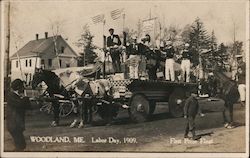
97, 19
116, 14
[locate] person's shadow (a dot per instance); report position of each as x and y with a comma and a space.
206, 134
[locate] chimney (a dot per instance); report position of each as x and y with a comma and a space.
37, 36
46, 35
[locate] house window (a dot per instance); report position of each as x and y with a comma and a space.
42, 63
30, 62
16, 64
62, 49
60, 62
26, 63
50, 62
67, 65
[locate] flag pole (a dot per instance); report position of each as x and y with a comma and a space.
123, 21
124, 57
104, 49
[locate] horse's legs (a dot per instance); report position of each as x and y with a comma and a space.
89, 108
228, 113
76, 113
56, 111
89, 114
224, 113
230, 108
81, 114
85, 111
81, 104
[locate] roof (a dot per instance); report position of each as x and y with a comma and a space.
37, 46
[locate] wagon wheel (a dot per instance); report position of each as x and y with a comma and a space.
176, 102
139, 108
66, 108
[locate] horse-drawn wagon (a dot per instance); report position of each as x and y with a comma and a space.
140, 97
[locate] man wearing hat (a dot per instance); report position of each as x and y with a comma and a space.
16, 107
185, 63
113, 43
169, 64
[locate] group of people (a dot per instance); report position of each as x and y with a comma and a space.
144, 59
140, 54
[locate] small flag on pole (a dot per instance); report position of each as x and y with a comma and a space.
116, 14
97, 19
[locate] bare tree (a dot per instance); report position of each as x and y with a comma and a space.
56, 29
139, 28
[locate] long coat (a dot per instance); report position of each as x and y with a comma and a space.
191, 107
16, 107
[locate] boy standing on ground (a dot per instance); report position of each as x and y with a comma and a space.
191, 108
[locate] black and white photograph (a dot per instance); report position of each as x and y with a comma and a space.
137, 78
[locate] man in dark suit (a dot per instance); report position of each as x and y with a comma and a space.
241, 74
16, 107
113, 43
134, 58
191, 108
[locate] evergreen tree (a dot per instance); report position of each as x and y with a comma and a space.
139, 28
86, 42
199, 40
185, 34
213, 41
213, 47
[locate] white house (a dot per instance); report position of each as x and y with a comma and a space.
42, 53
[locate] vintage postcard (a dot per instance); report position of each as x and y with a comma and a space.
138, 78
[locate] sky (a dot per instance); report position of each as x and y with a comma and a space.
31, 17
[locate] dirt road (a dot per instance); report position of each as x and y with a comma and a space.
161, 134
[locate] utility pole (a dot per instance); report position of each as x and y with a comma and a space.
8, 44
234, 33
123, 21
234, 41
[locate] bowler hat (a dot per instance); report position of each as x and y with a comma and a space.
17, 84
111, 29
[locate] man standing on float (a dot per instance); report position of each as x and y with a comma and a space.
113, 43
185, 63
169, 64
